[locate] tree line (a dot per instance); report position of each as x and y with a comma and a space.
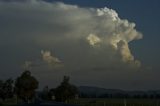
24, 87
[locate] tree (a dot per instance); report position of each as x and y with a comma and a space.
6, 89
25, 86
65, 90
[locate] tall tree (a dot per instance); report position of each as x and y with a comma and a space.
25, 86
65, 90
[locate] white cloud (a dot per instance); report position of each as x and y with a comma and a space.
50, 59
93, 39
108, 13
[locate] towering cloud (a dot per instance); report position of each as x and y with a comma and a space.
84, 39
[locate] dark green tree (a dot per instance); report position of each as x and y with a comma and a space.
65, 90
25, 86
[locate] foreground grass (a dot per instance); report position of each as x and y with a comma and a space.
101, 102
116, 102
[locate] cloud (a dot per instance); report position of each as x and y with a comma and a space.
93, 39
46, 60
86, 40
47, 57
124, 51
58, 24
108, 13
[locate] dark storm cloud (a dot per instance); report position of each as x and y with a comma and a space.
87, 41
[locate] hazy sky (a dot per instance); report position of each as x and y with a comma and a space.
105, 43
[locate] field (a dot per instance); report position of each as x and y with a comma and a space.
97, 102
116, 102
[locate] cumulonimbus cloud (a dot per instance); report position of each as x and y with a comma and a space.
84, 37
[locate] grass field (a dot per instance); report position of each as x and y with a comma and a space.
116, 102
102, 102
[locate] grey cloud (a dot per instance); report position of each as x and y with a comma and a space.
58, 25
84, 39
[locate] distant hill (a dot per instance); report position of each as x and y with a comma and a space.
100, 92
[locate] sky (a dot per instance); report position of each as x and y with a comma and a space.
103, 43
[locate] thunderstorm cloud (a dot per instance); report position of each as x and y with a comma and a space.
97, 34
83, 39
